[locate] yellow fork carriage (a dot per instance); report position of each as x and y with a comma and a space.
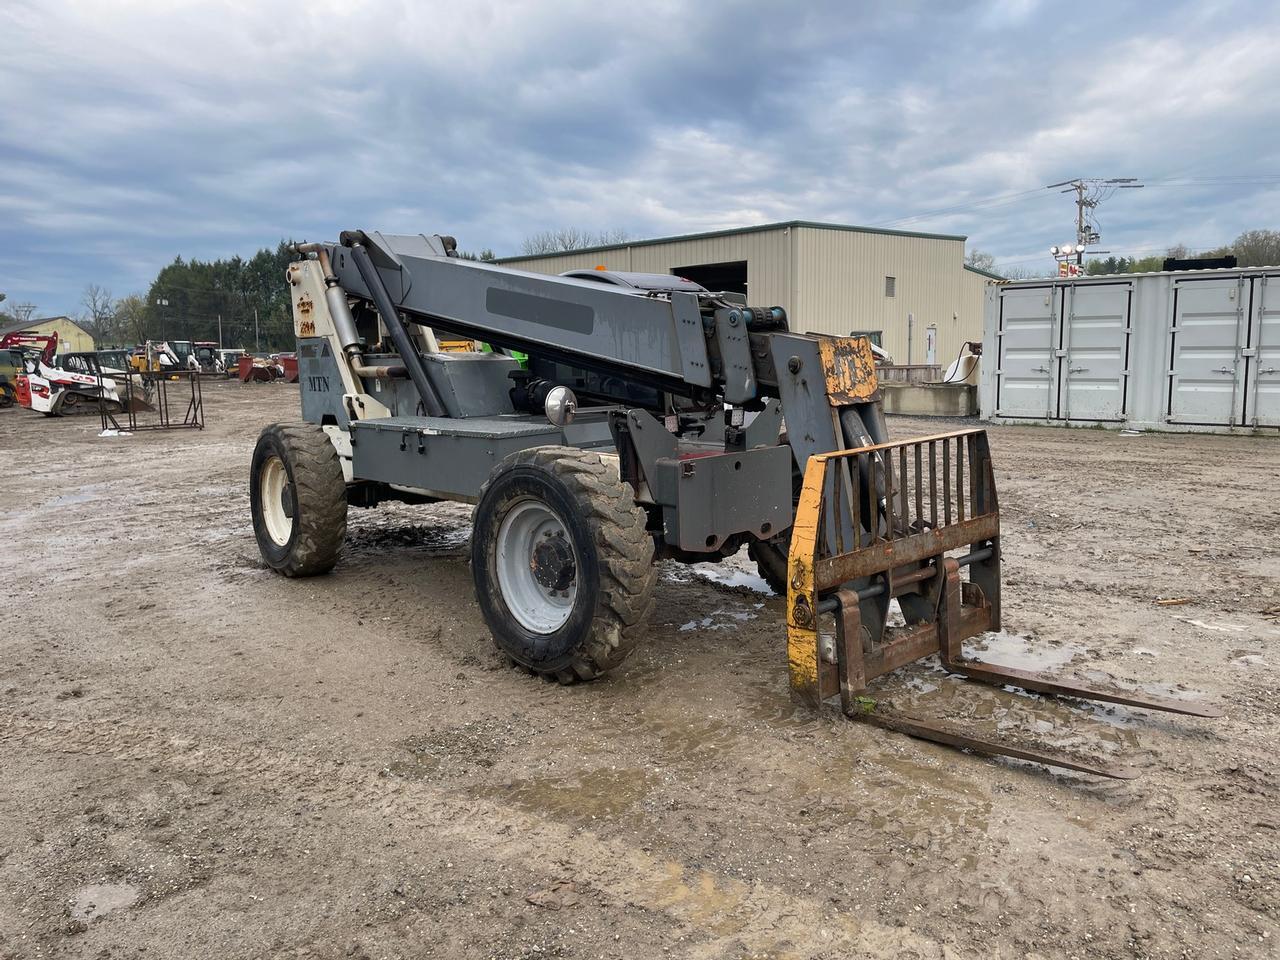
901, 521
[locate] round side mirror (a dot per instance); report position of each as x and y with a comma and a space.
561, 406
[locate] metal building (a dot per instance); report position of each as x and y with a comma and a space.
910, 291
71, 336
1187, 350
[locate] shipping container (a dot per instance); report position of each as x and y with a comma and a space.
1187, 350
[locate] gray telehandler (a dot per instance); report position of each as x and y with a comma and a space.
622, 419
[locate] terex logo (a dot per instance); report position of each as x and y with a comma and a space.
318, 384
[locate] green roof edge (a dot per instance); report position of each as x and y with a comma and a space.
759, 228
986, 273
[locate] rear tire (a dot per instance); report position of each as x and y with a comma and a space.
298, 499
771, 564
562, 563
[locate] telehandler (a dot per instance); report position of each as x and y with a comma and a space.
644, 420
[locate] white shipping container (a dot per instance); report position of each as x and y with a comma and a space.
1187, 350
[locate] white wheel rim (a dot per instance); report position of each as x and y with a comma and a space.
271, 490
523, 572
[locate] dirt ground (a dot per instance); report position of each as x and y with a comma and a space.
203, 759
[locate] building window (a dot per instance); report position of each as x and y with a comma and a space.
890, 286
872, 335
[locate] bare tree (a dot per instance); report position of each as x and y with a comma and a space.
569, 238
1020, 273
1256, 248
131, 318
980, 260
99, 317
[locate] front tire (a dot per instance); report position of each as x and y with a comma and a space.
562, 563
298, 499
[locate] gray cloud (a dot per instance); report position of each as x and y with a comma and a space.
136, 132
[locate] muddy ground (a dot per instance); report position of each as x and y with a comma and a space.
202, 759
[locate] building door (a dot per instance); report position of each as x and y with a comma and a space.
1092, 364
1262, 373
1206, 337
1026, 337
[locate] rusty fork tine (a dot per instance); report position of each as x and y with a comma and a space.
1000, 676
936, 733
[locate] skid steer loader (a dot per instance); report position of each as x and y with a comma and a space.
642, 421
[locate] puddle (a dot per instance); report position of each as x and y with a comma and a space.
99, 899
588, 795
1011, 650
730, 576
737, 571
1215, 627
722, 619
86, 494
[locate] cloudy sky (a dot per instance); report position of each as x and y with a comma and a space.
133, 132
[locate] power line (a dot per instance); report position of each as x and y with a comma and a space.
1001, 200
1115, 183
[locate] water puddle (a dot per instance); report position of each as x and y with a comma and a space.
722, 619
1011, 650
586, 795
731, 576
1218, 627
86, 494
99, 899
735, 572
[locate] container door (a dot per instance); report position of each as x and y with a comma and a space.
1096, 340
1263, 354
1026, 338
1205, 341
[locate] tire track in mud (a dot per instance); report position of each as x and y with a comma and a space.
718, 914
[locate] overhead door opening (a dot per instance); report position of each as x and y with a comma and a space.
731, 276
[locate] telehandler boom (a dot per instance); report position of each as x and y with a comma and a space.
616, 423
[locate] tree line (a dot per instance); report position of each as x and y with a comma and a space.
240, 302
1253, 248
236, 301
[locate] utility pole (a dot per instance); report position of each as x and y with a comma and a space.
257, 340
1089, 191
219, 331
162, 303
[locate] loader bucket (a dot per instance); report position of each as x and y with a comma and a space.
901, 521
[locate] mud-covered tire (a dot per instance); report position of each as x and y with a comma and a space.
313, 499
614, 573
771, 563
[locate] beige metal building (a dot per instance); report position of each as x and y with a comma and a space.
71, 336
911, 291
